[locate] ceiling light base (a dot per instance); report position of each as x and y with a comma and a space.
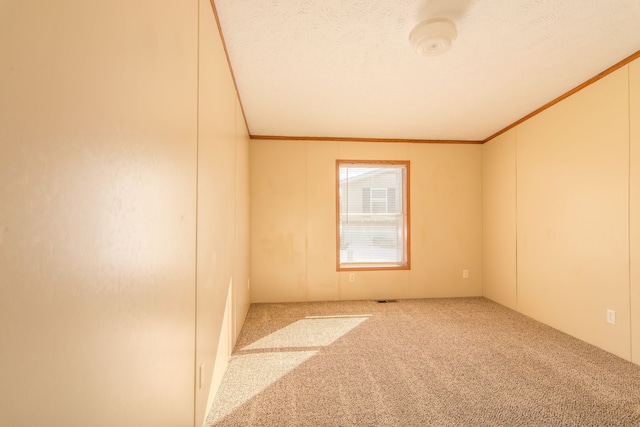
433, 37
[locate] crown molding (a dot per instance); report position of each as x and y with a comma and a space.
348, 139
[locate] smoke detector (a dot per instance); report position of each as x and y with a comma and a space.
433, 37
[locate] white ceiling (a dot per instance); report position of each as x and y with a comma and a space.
344, 68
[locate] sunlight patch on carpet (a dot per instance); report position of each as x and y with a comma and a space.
265, 362
312, 331
250, 374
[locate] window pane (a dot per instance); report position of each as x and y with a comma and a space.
379, 200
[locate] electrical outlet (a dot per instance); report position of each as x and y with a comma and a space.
611, 316
465, 274
248, 284
352, 277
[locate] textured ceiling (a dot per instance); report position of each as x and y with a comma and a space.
339, 68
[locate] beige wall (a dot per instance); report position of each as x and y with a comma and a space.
101, 197
572, 174
634, 206
293, 241
499, 223
223, 212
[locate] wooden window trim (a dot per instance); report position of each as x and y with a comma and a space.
407, 230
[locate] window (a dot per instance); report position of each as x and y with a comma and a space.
372, 215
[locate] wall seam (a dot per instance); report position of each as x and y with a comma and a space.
234, 259
629, 202
195, 293
515, 180
335, 225
306, 220
482, 278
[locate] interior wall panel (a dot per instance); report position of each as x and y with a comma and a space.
222, 232
278, 221
499, 219
634, 208
572, 214
242, 219
368, 284
446, 220
322, 278
97, 219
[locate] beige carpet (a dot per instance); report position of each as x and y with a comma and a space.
429, 362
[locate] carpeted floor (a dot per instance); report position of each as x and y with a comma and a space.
428, 362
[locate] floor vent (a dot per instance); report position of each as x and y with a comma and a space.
384, 301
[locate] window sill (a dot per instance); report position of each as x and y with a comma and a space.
372, 267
